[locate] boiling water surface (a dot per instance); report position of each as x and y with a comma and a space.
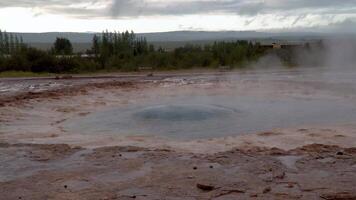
207, 116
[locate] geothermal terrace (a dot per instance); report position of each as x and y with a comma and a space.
264, 134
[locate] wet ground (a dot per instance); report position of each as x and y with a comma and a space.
277, 134
61, 172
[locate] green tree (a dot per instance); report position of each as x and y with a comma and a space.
96, 46
62, 46
6, 43
1, 43
12, 44
17, 44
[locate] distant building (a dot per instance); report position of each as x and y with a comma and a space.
88, 55
276, 46
282, 45
65, 56
73, 56
6, 55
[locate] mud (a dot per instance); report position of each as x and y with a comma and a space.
41, 159
309, 172
22, 96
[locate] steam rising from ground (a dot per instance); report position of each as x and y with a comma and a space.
331, 53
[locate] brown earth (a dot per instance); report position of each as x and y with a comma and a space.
60, 172
45, 162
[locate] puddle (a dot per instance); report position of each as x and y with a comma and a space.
118, 176
290, 161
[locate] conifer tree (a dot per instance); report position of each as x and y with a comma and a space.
17, 44
96, 46
1, 43
6, 43
12, 44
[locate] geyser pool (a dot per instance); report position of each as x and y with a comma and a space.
177, 113
192, 117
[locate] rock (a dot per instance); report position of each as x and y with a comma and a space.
253, 195
279, 175
63, 77
267, 190
205, 187
338, 196
67, 77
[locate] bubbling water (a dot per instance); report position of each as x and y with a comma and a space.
209, 114
183, 112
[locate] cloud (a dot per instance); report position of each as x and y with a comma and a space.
134, 8
240, 7
76, 8
346, 26
288, 13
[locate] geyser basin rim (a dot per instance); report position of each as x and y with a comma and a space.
204, 117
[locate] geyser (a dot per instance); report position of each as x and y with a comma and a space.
183, 113
177, 112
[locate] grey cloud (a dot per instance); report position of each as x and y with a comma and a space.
240, 7
347, 25
134, 8
36, 3
58, 7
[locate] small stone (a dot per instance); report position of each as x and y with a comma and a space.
65, 186
211, 167
195, 168
280, 175
340, 153
267, 190
205, 187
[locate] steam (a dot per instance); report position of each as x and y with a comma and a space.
340, 53
329, 53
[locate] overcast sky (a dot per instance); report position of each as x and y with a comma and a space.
170, 15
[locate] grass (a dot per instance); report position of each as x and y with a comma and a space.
18, 74
23, 74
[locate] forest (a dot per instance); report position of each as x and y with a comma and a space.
115, 51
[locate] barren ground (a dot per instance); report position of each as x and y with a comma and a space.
42, 160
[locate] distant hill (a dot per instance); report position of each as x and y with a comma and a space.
176, 36
82, 41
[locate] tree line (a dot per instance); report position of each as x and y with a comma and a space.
125, 51
10, 43
122, 46
115, 51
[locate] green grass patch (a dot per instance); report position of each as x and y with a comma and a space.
17, 74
